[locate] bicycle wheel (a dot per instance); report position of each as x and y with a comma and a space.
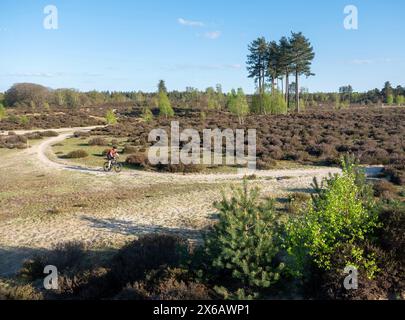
118, 167
107, 167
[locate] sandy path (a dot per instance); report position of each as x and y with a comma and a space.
41, 153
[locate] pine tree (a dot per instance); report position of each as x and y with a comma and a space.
165, 108
302, 56
257, 62
274, 68
285, 62
162, 86
244, 243
147, 115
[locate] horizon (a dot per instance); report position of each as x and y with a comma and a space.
127, 46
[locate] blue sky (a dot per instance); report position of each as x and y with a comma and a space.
130, 45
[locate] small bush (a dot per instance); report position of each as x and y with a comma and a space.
396, 173
138, 160
14, 139
165, 284
77, 154
128, 149
19, 292
81, 134
98, 141
265, 164
385, 190
149, 252
65, 256
179, 168
297, 202
49, 134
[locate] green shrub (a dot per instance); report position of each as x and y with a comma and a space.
147, 115
341, 212
110, 117
23, 120
297, 202
390, 99
3, 112
244, 243
77, 154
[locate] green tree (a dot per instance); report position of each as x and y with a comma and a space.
213, 102
244, 243
71, 98
59, 98
46, 106
237, 104
24, 93
165, 108
400, 100
302, 57
271, 103
257, 63
387, 90
162, 87
110, 117
390, 99
285, 61
147, 115
274, 67
3, 112
278, 104
342, 212
139, 98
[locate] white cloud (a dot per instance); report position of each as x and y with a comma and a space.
33, 74
204, 67
190, 23
370, 61
48, 74
213, 35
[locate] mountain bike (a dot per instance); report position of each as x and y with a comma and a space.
114, 165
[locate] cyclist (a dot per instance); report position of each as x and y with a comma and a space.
112, 155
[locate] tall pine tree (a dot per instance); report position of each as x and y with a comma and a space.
302, 56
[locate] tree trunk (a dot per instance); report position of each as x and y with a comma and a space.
282, 86
260, 94
287, 90
297, 92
